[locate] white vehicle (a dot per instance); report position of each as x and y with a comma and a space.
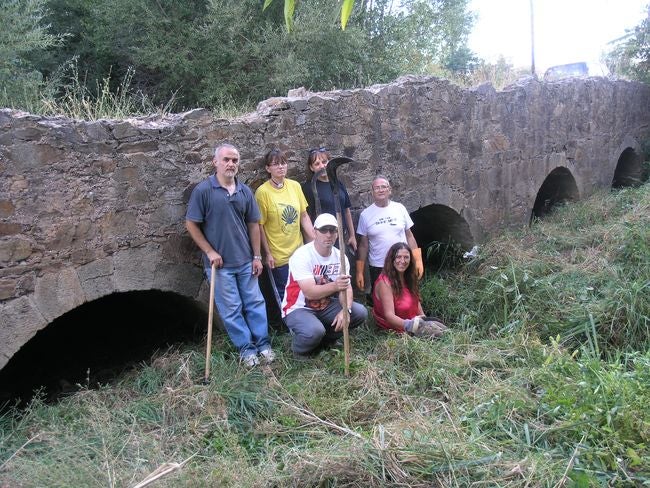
575, 70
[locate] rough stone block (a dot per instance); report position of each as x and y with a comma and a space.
9, 228
6, 209
14, 249
184, 279
96, 278
8, 287
21, 319
138, 147
58, 292
15, 285
135, 268
124, 130
197, 114
95, 131
28, 133
28, 156
118, 224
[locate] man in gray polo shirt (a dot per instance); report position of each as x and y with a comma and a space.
223, 220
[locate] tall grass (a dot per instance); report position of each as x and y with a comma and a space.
79, 101
584, 271
66, 92
528, 389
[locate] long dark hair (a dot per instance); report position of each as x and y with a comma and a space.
313, 154
410, 275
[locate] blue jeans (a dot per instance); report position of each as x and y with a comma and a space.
280, 276
241, 307
310, 328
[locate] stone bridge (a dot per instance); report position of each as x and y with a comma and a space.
90, 209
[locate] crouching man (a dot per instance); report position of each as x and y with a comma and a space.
311, 305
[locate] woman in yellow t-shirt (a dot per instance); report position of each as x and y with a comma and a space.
284, 222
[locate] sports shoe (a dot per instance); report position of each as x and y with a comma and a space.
249, 361
267, 355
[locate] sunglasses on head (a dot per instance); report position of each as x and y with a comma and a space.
318, 149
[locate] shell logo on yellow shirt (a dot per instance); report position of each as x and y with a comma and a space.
289, 216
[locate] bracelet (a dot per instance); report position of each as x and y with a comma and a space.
259, 258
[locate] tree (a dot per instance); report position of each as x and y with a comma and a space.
220, 53
630, 56
22, 34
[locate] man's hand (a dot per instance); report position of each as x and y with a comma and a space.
419, 266
338, 322
215, 258
270, 262
342, 282
257, 267
361, 268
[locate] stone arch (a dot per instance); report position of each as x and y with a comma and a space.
629, 170
94, 342
559, 187
442, 224
59, 291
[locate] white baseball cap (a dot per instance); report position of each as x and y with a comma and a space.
323, 220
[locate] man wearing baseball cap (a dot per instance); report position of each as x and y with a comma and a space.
311, 306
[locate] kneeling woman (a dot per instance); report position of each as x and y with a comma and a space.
396, 298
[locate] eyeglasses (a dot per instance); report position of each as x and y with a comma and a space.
328, 230
318, 149
381, 187
278, 163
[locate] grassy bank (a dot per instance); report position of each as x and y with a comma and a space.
543, 381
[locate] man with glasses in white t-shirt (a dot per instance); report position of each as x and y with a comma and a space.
381, 225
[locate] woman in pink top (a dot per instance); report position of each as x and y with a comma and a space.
396, 298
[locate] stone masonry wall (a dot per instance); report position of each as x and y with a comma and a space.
92, 208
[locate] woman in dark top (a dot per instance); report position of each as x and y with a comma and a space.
317, 160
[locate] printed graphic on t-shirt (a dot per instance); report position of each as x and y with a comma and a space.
386, 220
288, 215
322, 275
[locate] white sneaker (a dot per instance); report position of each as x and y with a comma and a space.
249, 361
267, 355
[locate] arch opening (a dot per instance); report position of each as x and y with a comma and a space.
629, 170
443, 236
559, 188
98, 341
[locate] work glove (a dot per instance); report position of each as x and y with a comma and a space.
425, 327
408, 325
417, 257
361, 267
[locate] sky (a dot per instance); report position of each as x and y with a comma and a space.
565, 30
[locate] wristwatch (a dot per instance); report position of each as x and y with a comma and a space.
259, 258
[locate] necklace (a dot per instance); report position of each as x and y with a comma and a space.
277, 185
